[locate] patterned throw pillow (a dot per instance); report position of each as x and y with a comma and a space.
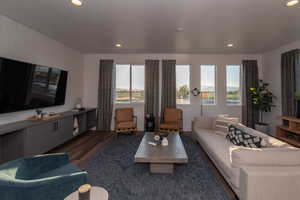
240, 138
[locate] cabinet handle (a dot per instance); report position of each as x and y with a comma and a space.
56, 126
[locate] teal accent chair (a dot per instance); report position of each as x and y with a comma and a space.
44, 177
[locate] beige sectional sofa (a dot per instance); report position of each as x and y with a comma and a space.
269, 173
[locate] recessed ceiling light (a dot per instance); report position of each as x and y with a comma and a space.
77, 2
119, 45
291, 3
179, 29
230, 45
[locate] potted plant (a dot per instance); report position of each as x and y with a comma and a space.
297, 97
262, 99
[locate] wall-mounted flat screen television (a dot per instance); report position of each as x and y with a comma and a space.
25, 86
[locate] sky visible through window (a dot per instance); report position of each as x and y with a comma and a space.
233, 76
182, 75
233, 84
122, 76
182, 84
207, 76
208, 82
130, 83
138, 77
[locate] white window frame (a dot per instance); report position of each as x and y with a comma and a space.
240, 87
216, 84
189, 85
130, 86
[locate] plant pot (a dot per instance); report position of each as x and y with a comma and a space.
262, 127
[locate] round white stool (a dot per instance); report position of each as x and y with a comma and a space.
96, 193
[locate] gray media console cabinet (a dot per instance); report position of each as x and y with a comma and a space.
28, 138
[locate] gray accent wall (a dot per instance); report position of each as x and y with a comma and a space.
25, 44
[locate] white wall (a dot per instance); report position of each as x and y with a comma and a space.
22, 43
272, 75
91, 70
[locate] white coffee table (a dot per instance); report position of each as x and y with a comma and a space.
97, 193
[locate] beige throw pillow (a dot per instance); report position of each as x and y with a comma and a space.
222, 122
242, 156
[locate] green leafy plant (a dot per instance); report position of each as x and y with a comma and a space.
183, 92
262, 99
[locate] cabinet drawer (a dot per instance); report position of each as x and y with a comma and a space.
82, 122
65, 130
12, 145
41, 138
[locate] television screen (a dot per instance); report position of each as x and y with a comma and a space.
26, 86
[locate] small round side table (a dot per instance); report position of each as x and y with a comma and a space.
97, 193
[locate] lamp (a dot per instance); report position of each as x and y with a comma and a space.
196, 92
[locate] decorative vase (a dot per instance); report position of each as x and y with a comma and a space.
156, 138
165, 142
150, 123
84, 192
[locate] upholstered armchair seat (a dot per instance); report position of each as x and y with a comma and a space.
125, 121
172, 120
126, 125
45, 177
170, 126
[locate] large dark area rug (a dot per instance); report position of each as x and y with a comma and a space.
114, 169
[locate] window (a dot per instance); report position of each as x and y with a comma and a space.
182, 84
208, 84
233, 92
130, 83
138, 83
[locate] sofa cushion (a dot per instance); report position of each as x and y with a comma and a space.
242, 156
218, 149
203, 122
270, 141
224, 120
221, 123
240, 138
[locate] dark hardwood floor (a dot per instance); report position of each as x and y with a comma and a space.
83, 147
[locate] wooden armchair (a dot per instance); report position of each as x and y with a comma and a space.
125, 121
172, 120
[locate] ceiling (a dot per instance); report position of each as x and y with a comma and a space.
150, 26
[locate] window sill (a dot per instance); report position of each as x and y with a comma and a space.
233, 105
135, 103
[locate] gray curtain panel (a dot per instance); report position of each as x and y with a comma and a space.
168, 90
152, 87
289, 60
250, 79
105, 94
